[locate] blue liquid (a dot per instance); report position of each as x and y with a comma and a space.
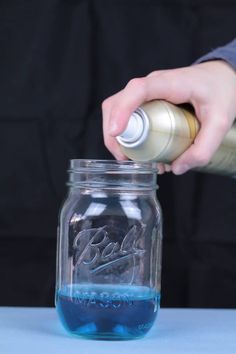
107, 312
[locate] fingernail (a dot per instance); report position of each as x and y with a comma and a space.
179, 170
120, 157
113, 128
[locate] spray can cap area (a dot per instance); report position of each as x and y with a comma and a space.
136, 131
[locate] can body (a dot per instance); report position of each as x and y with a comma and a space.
109, 250
172, 129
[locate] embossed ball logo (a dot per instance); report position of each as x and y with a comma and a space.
95, 251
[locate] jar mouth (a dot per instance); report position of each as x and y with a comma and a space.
112, 166
112, 174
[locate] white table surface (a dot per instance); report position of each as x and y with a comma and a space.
177, 331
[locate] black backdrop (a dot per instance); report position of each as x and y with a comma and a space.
58, 60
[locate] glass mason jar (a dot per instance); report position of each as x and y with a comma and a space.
109, 250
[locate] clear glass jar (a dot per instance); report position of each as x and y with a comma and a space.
109, 250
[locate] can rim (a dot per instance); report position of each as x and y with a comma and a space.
142, 136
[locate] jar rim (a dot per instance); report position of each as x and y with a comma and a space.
106, 166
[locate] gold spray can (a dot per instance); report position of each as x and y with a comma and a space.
160, 131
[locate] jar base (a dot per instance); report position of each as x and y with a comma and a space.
108, 313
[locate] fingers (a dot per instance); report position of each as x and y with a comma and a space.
162, 168
118, 108
212, 131
200, 85
166, 85
110, 142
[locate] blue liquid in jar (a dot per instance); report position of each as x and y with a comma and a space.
107, 311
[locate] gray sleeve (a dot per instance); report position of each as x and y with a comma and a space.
227, 53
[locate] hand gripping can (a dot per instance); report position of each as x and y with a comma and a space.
160, 131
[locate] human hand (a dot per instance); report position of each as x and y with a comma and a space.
211, 89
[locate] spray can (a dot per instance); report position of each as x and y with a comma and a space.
160, 131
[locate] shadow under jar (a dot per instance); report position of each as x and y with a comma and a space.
109, 250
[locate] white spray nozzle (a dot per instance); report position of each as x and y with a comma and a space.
136, 130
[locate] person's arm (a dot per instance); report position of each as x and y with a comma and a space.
226, 53
209, 85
